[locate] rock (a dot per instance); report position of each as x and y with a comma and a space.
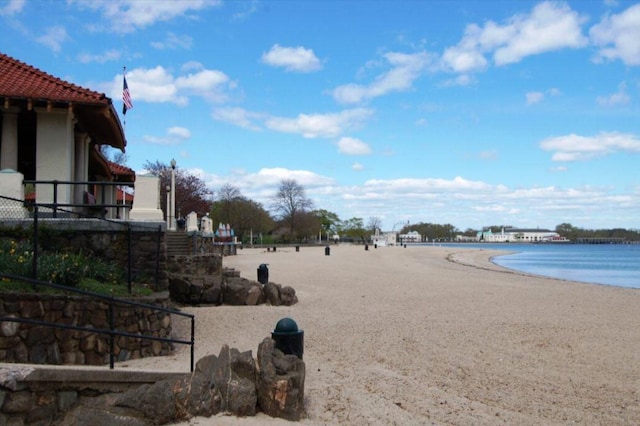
212, 294
280, 382
238, 290
235, 377
155, 402
272, 293
288, 296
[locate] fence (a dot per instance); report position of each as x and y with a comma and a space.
21, 219
99, 201
110, 239
111, 332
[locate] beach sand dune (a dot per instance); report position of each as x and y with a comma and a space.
436, 335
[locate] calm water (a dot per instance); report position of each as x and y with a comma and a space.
609, 264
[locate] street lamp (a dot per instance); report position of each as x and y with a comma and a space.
172, 225
168, 207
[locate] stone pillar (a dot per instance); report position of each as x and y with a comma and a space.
9, 150
146, 199
11, 186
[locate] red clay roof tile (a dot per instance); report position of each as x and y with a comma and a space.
19, 80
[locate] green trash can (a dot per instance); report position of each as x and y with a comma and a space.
289, 339
263, 273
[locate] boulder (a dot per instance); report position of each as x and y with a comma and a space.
241, 291
280, 382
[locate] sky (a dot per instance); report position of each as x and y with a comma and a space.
469, 113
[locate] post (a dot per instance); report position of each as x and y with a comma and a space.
168, 208
173, 195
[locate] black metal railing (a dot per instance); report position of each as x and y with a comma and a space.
26, 212
89, 201
111, 332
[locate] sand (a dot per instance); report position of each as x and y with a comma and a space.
436, 335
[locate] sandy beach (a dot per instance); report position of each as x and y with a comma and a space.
436, 335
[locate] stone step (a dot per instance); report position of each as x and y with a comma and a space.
177, 243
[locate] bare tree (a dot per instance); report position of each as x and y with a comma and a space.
227, 195
374, 223
290, 202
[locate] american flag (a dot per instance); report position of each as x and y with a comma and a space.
126, 97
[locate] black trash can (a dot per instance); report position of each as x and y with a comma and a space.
297, 248
288, 338
327, 251
263, 273
366, 247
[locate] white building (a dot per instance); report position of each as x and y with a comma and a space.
410, 237
520, 235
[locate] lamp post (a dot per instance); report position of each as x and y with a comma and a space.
168, 207
172, 225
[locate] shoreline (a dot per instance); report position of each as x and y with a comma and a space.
408, 336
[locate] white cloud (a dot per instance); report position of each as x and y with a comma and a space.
618, 37
297, 59
534, 97
459, 201
107, 56
618, 98
357, 167
575, 148
320, 125
53, 38
173, 136
173, 41
159, 85
550, 26
405, 69
125, 16
12, 7
352, 146
237, 116
273, 176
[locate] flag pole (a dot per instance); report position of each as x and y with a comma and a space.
124, 116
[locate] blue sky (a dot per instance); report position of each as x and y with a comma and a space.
473, 113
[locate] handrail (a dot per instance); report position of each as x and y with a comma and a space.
111, 332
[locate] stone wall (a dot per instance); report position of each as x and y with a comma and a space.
232, 383
38, 344
107, 240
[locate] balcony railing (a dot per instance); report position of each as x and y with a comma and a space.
96, 197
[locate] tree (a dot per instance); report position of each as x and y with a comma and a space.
227, 195
192, 194
374, 223
245, 216
354, 229
329, 222
289, 203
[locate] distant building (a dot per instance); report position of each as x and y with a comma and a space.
384, 239
520, 235
410, 237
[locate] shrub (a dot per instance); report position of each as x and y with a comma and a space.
67, 269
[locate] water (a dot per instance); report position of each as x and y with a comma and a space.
608, 264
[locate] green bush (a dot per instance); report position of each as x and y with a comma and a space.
68, 269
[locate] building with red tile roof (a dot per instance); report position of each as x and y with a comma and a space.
52, 130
